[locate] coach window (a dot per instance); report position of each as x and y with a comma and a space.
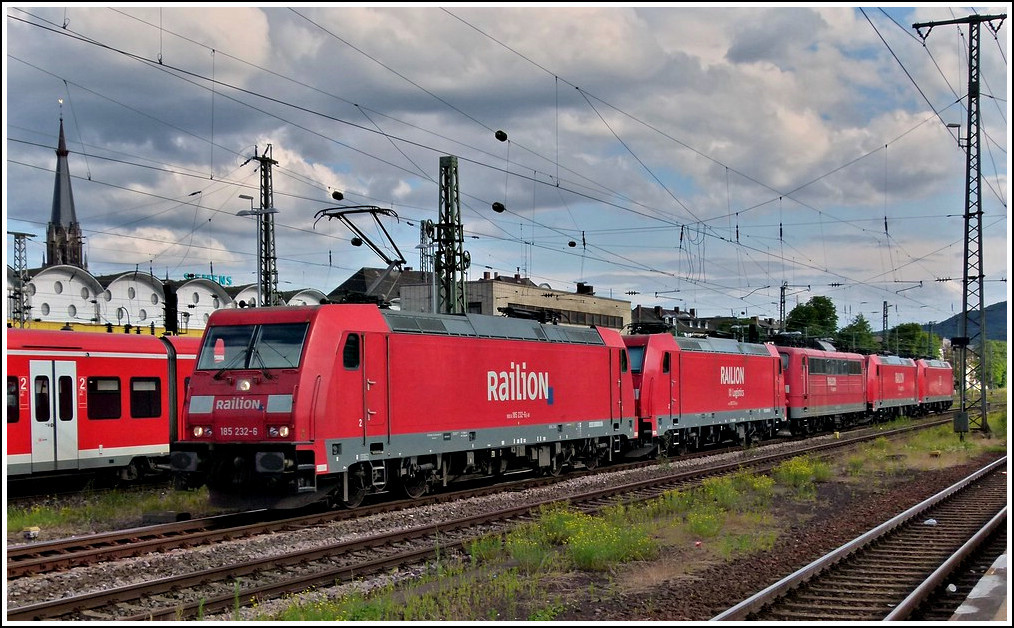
42, 399
66, 398
12, 400
104, 398
350, 354
145, 397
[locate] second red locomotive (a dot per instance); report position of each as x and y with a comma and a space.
693, 392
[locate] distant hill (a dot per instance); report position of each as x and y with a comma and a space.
996, 323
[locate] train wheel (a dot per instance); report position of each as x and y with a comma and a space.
130, 473
357, 487
414, 484
555, 466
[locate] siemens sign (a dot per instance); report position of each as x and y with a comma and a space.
224, 280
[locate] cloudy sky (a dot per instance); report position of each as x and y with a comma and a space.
692, 157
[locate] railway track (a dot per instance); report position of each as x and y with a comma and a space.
898, 570
186, 595
36, 558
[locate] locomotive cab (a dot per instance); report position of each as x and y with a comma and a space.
239, 420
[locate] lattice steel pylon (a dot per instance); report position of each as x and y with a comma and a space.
971, 344
886, 340
19, 305
266, 246
451, 259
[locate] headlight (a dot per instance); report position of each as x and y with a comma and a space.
273, 431
283, 431
276, 431
243, 384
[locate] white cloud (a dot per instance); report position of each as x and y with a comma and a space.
802, 128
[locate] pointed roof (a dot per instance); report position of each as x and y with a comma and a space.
362, 279
63, 200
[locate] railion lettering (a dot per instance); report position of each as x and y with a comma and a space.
238, 403
733, 374
518, 384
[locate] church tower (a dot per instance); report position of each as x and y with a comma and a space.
64, 243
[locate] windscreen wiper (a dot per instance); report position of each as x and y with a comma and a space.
230, 363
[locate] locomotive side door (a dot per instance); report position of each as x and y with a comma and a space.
805, 371
53, 407
617, 367
672, 387
375, 415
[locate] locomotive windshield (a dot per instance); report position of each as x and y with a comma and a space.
271, 346
636, 358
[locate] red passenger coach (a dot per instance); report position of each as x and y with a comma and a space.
935, 385
891, 388
292, 405
824, 389
92, 401
702, 391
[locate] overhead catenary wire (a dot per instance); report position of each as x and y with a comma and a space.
533, 179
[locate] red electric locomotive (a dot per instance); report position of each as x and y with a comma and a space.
92, 402
891, 386
292, 405
693, 392
824, 389
935, 385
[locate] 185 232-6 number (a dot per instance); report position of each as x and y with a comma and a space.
239, 431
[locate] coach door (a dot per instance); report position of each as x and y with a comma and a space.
374, 371
53, 404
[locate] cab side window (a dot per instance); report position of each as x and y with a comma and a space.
350, 354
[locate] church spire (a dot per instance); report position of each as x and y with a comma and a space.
64, 244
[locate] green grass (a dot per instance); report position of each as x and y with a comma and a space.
103, 510
802, 473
